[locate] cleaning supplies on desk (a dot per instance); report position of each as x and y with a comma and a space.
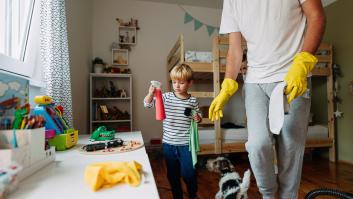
107, 174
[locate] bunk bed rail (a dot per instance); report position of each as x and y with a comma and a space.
176, 54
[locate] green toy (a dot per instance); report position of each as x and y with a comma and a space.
65, 140
102, 134
19, 115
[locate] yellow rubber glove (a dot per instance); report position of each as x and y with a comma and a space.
228, 88
303, 63
107, 174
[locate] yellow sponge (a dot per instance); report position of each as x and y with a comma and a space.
107, 174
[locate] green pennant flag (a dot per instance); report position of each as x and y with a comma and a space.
187, 18
197, 24
210, 30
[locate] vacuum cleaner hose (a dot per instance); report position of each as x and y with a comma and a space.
328, 192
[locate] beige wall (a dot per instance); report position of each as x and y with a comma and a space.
160, 25
339, 32
79, 23
92, 28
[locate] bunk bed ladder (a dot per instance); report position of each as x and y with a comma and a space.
216, 88
330, 105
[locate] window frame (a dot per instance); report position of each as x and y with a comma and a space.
29, 50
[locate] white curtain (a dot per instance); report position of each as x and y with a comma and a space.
55, 54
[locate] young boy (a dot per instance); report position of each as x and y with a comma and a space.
176, 133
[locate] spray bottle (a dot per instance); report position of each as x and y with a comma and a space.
160, 113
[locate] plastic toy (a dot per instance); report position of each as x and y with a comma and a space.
49, 134
103, 145
123, 93
64, 141
66, 137
94, 147
52, 115
102, 134
20, 116
43, 99
114, 143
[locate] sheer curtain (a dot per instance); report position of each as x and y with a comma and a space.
55, 54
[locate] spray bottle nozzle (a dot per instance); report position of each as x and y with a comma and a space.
156, 84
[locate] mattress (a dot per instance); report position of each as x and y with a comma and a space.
198, 56
207, 135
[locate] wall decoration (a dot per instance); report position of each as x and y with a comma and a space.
120, 57
131, 23
127, 35
127, 32
198, 24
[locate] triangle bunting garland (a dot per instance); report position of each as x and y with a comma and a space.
187, 18
198, 24
210, 30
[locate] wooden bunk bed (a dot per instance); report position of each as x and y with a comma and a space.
213, 72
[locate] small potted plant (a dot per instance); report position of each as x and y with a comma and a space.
98, 65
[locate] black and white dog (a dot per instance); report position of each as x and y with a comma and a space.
231, 186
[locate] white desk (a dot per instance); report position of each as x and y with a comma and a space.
65, 177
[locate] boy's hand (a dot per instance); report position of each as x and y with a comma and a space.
197, 118
151, 90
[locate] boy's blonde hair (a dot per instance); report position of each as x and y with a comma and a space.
181, 72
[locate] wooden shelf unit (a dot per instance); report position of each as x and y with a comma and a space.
120, 81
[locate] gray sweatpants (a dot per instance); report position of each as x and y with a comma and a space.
290, 143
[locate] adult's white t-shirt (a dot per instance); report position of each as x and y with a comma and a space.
273, 30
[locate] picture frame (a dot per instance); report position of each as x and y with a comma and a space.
120, 57
127, 35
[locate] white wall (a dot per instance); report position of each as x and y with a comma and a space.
92, 28
160, 25
79, 23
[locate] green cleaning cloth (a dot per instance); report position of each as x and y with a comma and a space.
194, 145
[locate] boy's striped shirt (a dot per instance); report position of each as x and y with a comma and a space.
176, 125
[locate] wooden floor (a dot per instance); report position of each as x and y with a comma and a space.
317, 173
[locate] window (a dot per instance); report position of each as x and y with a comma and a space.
15, 25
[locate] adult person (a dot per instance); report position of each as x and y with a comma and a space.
281, 36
